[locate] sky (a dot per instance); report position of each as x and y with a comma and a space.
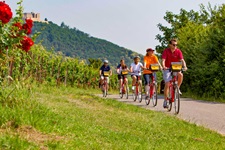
128, 23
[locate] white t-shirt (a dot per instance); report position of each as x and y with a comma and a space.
136, 69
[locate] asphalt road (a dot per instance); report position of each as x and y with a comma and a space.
208, 114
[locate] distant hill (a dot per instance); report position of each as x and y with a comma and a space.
75, 43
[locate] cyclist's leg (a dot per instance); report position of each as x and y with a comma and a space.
125, 79
120, 82
101, 79
107, 85
180, 78
167, 77
147, 80
134, 79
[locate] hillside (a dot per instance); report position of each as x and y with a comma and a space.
75, 43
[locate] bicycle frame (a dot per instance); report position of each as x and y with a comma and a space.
151, 84
136, 85
172, 84
123, 83
105, 87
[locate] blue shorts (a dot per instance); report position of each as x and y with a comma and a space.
167, 75
148, 77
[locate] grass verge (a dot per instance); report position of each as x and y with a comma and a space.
70, 118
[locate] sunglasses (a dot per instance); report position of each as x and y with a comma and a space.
174, 45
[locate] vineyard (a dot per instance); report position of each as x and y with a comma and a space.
22, 61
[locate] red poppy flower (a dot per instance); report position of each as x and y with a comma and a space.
26, 43
5, 13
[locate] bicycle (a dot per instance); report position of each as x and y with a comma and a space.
137, 92
174, 95
124, 89
152, 94
104, 86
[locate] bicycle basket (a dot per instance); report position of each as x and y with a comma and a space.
106, 73
176, 66
124, 72
154, 67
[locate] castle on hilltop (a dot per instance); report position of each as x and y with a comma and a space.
33, 16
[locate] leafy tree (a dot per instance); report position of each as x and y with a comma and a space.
201, 38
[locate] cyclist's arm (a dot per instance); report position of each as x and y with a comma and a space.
160, 65
131, 69
118, 70
110, 71
100, 72
144, 65
184, 64
163, 64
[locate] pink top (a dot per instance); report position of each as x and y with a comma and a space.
169, 57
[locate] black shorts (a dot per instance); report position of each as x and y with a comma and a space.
122, 77
138, 77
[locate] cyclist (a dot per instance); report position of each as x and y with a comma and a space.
149, 58
135, 69
171, 54
122, 67
105, 67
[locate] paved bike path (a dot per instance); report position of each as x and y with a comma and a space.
208, 114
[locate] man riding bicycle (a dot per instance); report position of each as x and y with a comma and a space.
122, 67
105, 67
171, 54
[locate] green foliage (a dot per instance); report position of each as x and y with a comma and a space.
95, 63
75, 43
201, 38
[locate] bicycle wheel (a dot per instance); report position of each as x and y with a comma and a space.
154, 95
176, 100
170, 98
139, 92
134, 94
121, 93
127, 91
147, 98
103, 90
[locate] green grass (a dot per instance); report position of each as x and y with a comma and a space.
70, 118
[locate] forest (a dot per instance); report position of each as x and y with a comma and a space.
75, 43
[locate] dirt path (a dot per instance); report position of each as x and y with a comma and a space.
208, 114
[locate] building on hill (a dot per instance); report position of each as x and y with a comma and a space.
33, 16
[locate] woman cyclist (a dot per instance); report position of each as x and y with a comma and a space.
149, 59
135, 69
122, 67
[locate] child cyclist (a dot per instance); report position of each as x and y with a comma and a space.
135, 69
149, 59
122, 67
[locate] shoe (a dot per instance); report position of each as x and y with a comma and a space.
180, 92
165, 104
